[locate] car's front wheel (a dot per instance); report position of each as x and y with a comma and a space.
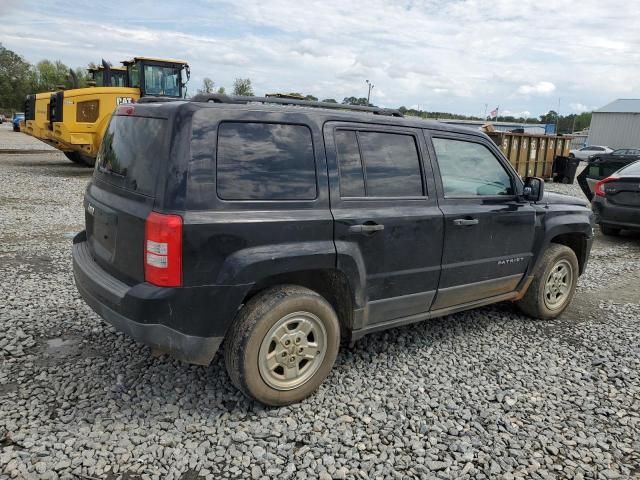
282, 345
553, 285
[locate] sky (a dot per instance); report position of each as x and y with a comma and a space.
459, 56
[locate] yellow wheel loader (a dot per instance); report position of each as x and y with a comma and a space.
79, 118
37, 116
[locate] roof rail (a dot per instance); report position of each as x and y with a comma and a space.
237, 99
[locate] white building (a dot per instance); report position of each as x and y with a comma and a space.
616, 125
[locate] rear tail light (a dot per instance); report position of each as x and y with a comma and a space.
125, 110
163, 250
599, 188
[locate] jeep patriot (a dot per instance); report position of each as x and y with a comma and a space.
280, 228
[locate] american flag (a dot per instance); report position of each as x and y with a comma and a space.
494, 113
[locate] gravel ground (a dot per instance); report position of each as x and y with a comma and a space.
482, 394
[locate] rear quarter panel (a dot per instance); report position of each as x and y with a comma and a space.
243, 242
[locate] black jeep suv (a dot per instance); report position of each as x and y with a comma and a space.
279, 227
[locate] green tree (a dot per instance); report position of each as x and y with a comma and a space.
16, 79
207, 86
221, 91
355, 101
330, 100
51, 75
242, 86
311, 98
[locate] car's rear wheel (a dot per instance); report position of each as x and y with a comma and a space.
553, 285
571, 155
609, 230
282, 345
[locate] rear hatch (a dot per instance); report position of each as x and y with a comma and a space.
122, 194
624, 191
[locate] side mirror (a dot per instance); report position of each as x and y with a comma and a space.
533, 189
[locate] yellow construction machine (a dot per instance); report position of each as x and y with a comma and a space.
76, 119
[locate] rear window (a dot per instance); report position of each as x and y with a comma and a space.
633, 169
265, 161
132, 149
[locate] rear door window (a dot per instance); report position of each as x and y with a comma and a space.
378, 164
132, 150
265, 161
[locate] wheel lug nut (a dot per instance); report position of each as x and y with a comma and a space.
287, 342
292, 359
300, 350
298, 340
284, 354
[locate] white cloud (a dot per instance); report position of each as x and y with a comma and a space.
579, 107
522, 114
451, 56
540, 88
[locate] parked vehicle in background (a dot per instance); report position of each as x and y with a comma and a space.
616, 203
585, 152
602, 166
621, 155
280, 227
2, 119
17, 118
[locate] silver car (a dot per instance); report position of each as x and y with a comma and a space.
585, 152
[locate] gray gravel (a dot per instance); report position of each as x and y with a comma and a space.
482, 394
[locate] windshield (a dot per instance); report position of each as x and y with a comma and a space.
134, 75
162, 81
118, 78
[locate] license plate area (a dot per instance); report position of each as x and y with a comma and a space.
104, 232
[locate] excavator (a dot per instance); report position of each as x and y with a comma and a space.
75, 120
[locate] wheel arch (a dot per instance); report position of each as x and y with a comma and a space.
331, 284
576, 241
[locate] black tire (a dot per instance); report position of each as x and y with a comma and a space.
609, 230
80, 159
88, 161
73, 156
534, 302
251, 327
16, 129
571, 155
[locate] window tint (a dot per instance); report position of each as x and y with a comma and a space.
263, 161
597, 149
620, 152
392, 165
132, 150
470, 169
350, 165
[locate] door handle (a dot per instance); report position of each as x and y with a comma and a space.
366, 228
465, 221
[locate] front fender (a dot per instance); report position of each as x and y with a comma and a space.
556, 223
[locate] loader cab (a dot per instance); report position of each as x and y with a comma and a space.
157, 77
108, 77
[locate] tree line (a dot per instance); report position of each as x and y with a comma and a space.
19, 78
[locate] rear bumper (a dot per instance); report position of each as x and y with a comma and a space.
616, 215
187, 323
